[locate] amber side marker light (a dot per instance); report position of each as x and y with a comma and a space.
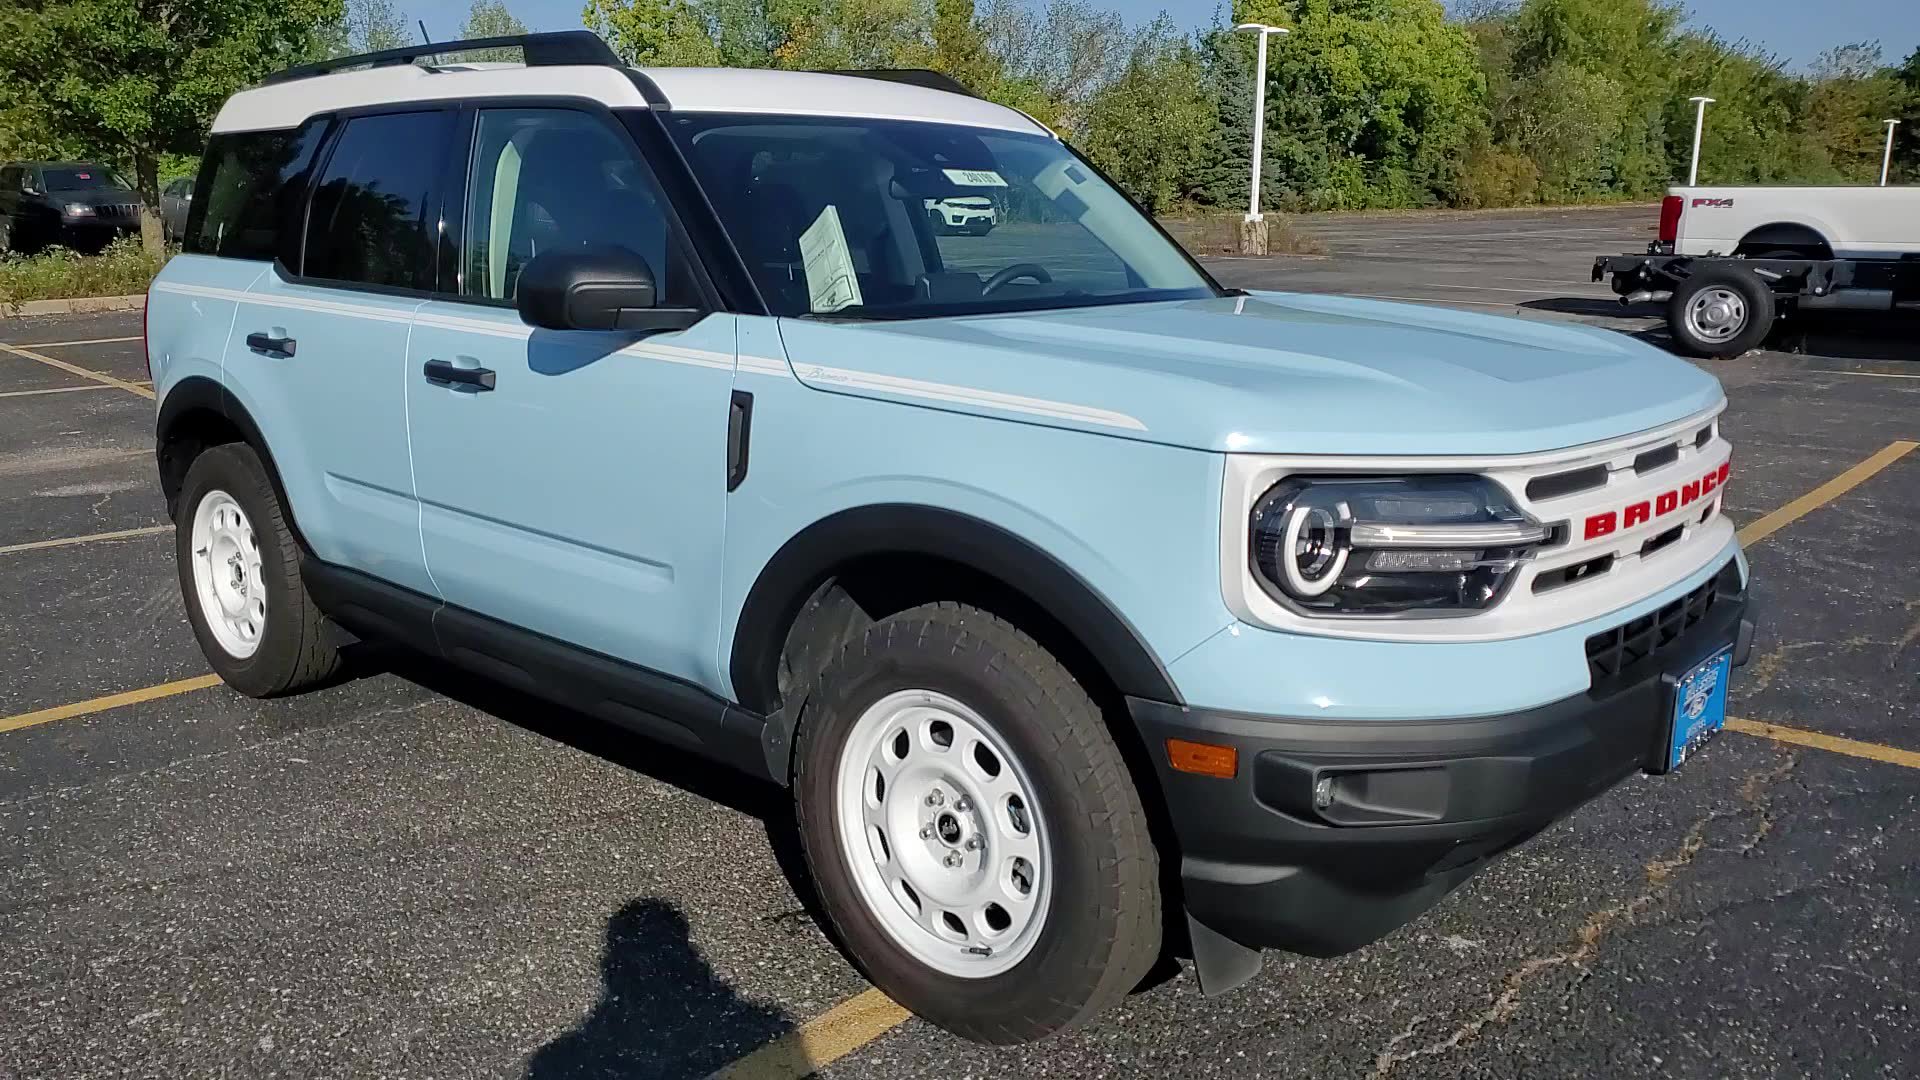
1203, 759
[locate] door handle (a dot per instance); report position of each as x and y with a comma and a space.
441, 373
272, 346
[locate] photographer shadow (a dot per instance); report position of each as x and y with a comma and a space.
662, 1012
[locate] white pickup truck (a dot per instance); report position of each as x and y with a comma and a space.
1729, 260
1792, 222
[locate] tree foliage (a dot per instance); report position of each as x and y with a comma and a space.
1370, 103
128, 81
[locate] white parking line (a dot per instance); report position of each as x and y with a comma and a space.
56, 390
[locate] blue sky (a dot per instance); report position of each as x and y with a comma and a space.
1795, 30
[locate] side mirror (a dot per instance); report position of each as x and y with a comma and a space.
595, 288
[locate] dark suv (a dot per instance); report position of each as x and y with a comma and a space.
74, 204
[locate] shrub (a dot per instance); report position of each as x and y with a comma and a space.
121, 269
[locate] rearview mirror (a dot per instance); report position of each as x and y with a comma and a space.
595, 288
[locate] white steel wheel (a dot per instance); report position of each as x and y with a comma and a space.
228, 584
1717, 314
942, 834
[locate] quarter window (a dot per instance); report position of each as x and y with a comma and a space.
375, 218
252, 193
554, 179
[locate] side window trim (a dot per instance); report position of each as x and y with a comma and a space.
466, 136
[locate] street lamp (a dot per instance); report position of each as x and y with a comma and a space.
1259, 107
1699, 125
1886, 162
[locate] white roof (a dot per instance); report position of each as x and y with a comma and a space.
792, 93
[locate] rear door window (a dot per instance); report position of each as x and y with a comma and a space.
375, 217
251, 193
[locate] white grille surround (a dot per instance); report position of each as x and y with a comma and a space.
1704, 537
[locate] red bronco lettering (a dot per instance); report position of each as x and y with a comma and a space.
1660, 505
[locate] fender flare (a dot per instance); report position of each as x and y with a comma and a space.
1786, 233
813, 555
199, 393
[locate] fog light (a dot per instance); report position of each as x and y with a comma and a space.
1323, 792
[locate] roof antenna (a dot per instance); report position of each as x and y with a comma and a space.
425, 38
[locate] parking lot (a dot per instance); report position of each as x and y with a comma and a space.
417, 874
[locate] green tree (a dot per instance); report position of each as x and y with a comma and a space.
1854, 95
133, 80
366, 26
1155, 122
489, 19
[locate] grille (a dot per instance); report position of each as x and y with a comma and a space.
1612, 651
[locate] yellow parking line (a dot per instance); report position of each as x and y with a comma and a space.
54, 390
820, 1041
76, 369
66, 541
88, 341
1825, 493
1892, 755
111, 701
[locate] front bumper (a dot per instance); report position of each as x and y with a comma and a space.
1409, 809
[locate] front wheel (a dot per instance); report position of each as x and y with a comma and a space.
1721, 312
976, 839
240, 575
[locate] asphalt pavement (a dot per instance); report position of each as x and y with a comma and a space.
415, 873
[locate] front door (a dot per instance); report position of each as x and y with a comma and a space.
577, 488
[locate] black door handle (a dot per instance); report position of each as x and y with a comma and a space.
272, 346
444, 374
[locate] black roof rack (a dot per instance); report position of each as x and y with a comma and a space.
921, 77
577, 47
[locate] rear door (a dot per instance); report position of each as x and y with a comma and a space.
321, 342
572, 483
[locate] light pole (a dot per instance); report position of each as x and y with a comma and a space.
1699, 125
1886, 163
1253, 233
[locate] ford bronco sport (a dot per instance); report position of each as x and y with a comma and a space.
1088, 609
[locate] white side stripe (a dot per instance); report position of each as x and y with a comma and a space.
965, 395
676, 354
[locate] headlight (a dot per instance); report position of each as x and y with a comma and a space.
75, 209
1435, 545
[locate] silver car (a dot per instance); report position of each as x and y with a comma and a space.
175, 200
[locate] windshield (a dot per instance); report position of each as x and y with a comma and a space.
891, 219
83, 178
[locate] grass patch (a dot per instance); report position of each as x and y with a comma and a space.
122, 269
1219, 234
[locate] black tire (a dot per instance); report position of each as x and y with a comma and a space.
295, 649
1103, 928
1755, 295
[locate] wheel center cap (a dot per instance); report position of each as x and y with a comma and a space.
947, 827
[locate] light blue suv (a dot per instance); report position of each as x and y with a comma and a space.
1089, 609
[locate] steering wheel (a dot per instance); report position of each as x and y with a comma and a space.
1017, 270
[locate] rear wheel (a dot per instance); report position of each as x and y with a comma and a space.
240, 574
1721, 312
976, 839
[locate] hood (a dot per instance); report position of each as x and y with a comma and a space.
103, 196
1277, 373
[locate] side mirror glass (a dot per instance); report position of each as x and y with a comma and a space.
595, 288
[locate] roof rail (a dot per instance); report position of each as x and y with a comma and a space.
581, 47
922, 77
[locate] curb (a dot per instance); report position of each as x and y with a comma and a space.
75, 306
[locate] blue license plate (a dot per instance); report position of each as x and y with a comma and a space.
1699, 707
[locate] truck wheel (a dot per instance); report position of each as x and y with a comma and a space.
1720, 313
976, 839
240, 574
